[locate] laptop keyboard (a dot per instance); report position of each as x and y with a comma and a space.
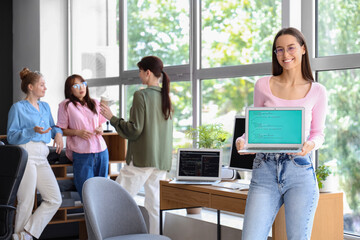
202, 182
273, 150
286, 149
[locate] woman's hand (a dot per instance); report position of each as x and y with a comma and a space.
307, 147
84, 134
240, 144
58, 143
40, 130
105, 111
99, 130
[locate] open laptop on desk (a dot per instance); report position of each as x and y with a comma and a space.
274, 130
198, 166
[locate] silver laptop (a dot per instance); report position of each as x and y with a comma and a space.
274, 130
198, 166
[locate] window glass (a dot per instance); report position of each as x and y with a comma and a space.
338, 26
342, 140
181, 98
111, 92
159, 28
222, 100
129, 95
238, 32
94, 38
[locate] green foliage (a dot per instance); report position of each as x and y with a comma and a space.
244, 30
322, 172
225, 94
156, 28
338, 26
208, 136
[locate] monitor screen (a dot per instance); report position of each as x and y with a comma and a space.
237, 161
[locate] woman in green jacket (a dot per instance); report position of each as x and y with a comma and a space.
149, 133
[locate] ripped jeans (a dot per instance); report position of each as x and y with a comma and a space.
281, 179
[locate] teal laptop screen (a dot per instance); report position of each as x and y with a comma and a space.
274, 127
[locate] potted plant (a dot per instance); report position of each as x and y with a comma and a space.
322, 172
207, 136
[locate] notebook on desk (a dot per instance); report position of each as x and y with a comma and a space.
198, 166
274, 130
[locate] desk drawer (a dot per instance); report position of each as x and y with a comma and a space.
181, 198
230, 204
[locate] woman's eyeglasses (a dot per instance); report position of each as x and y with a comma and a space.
281, 51
79, 85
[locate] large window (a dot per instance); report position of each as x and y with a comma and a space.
338, 27
338, 39
238, 32
341, 150
94, 39
158, 28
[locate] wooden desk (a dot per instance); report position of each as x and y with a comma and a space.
328, 222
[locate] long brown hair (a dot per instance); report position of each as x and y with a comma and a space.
68, 93
155, 65
305, 62
28, 77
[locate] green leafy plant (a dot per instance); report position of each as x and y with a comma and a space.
208, 135
322, 172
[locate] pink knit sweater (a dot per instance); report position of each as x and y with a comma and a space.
315, 104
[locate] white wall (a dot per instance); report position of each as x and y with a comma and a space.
54, 50
40, 43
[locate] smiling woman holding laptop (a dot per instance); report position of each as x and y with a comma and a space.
285, 178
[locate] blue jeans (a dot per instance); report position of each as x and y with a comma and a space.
281, 179
88, 165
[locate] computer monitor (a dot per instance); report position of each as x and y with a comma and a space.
237, 161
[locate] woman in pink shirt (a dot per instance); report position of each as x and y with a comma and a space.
80, 119
280, 178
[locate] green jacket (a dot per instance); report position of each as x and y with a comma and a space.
149, 135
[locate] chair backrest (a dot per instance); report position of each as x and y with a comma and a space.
13, 161
110, 210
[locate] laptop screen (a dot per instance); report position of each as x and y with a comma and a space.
199, 163
275, 126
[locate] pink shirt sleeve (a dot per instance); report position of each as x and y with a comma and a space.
63, 117
318, 118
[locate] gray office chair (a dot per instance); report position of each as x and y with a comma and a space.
111, 213
13, 161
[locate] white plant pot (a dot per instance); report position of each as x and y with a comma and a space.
329, 185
